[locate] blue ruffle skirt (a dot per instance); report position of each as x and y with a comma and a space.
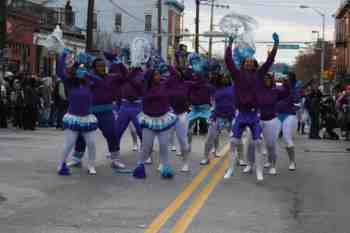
80, 123
161, 123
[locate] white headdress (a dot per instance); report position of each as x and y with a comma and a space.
140, 51
54, 42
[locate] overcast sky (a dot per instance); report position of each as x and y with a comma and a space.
284, 17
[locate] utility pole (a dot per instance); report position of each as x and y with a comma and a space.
90, 26
323, 53
160, 27
210, 51
212, 4
3, 31
197, 27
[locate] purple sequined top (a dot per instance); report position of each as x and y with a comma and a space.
224, 102
201, 91
79, 96
268, 99
245, 81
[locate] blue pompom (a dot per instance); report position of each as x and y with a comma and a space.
139, 172
167, 172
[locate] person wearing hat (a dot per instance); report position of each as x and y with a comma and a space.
268, 98
156, 120
200, 92
222, 115
287, 109
79, 119
246, 80
103, 98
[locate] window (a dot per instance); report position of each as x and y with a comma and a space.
118, 22
148, 23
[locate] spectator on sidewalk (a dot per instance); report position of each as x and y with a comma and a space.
31, 100
61, 103
313, 105
3, 105
17, 99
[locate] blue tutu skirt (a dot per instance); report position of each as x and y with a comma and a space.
199, 111
80, 123
161, 123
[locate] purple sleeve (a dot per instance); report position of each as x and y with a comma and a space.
268, 63
230, 64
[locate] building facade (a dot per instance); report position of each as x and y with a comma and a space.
342, 41
118, 22
21, 51
28, 25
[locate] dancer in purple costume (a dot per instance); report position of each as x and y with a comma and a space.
268, 98
179, 96
201, 91
222, 114
287, 109
247, 90
132, 92
78, 120
103, 99
156, 120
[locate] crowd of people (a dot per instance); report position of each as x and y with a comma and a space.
156, 100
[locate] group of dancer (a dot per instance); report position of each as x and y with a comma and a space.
160, 100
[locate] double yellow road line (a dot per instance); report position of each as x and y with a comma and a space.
183, 223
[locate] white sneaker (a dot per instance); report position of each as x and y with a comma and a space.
185, 168
117, 164
229, 173
292, 166
178, 153
204, 162
160, 167
173, 148
135, 148
149, 161
259, 175
267, 165
248, 169
272, 171
92, 170
242, 163
74, 163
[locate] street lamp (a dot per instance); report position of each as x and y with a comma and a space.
323, 39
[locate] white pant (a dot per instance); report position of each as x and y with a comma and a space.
133, 133
70, 137
271, 130
148, 137
181, 130
289, 128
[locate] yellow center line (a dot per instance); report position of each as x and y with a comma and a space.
186, 219
162, 218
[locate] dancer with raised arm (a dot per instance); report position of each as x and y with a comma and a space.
246, 101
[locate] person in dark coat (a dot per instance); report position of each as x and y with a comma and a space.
31, 99
313, 104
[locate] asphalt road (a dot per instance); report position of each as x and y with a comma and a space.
33, 199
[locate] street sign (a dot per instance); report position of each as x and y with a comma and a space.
289, 46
